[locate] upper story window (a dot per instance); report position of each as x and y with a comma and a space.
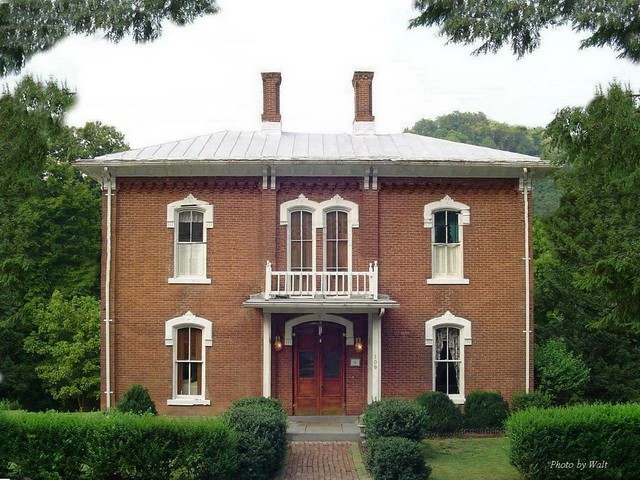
446, 218
448, 336
188, 335
193, 218
337, 241
301, 252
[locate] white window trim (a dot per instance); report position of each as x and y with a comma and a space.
464, 218
173, 210
318, 220
171, 328
449, 320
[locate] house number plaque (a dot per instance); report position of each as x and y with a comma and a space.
354, 362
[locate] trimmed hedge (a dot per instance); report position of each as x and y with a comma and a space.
55, 446
524, 401
483, 410
261, 428
395, 417
137, 400
395, 458
444, 415
585, 441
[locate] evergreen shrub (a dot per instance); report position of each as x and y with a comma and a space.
56, 446
585, 441
396, 458
484, 410
444, 415
395, 417
524, 401
137, 400
261, 428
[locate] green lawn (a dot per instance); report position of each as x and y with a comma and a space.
470, 459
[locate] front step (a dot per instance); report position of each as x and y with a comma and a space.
323, 429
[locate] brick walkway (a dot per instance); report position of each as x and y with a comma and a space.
320, 461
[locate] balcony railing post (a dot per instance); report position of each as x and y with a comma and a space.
374, 281
267, 281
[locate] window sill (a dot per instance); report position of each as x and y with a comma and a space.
186, 402
191, 280
457, 399
448, 281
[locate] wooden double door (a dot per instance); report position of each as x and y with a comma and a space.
319, 369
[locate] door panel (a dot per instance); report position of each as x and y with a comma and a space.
319, 369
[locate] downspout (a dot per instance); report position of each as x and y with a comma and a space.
527, 283
107, 293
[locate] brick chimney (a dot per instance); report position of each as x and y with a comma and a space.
271, 119
363, 123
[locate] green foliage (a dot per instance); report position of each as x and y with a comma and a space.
485, 410
49, 224
119, 446
396, 458
602, 433
261, 429
444, 415
395, 417
67, 343
523, 401
32, 26
137, 400
6, 405
477, 129
495, 23
596, 228
561, 375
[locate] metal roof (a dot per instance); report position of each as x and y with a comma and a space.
287, 146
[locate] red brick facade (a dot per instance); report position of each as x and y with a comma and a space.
246, 233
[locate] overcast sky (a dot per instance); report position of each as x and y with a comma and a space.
205, 77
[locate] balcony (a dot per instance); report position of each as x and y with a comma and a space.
340, 284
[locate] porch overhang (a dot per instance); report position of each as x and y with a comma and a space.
320, 304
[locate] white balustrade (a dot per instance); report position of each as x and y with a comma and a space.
328, 284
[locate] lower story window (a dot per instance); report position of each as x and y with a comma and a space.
447, 362
189, 362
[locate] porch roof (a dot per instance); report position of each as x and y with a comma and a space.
320, 303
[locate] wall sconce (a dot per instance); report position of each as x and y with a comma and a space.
277, 344
358, 345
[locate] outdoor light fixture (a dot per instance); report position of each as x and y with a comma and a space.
358, 345
277, 344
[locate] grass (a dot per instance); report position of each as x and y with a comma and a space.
470, 459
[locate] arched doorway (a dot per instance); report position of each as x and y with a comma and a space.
319, 368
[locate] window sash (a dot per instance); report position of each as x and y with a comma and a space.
189, 363
190, 259
446, 260
447, 360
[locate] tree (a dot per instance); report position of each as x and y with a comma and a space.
66, 341
494, 23
31, 26
595, 230
49, 222
560, 374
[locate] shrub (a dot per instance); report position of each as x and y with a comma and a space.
137, 400
523, 401
54, 446
395, 417
396, 458
562, 375
585, 441
485, 410
261, 429
444, 415
9, 405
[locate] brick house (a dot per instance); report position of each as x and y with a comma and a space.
326, 270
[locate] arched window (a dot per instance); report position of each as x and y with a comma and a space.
446, 218
301, 254
188, 335
448, 335
193, 218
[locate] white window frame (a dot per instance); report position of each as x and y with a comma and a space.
464, 325
190, 203
171, 339
464, 218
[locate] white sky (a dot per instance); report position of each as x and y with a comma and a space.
205, 77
